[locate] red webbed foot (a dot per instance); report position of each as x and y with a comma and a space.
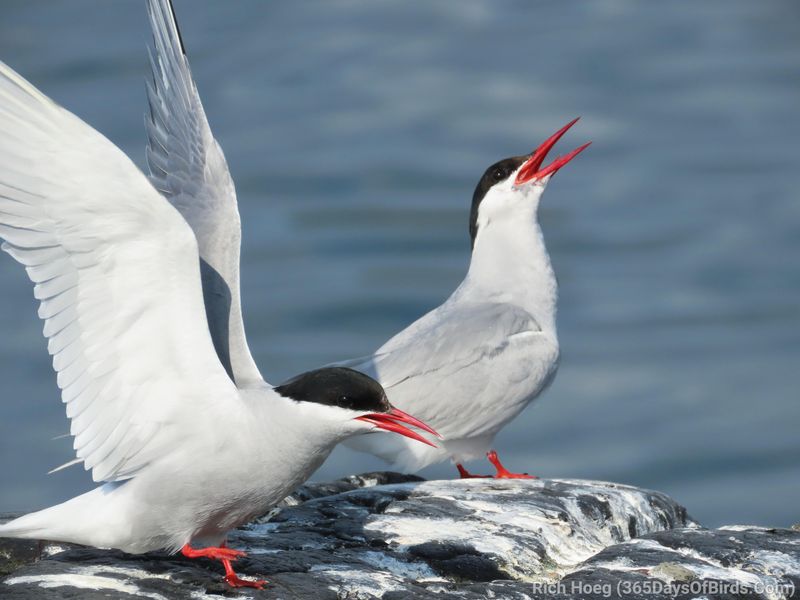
502, 472
225, 556
464, 474
233, 580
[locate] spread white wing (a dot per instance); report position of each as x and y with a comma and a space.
188, 167
116, 273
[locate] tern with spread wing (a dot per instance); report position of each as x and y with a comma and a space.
183, 453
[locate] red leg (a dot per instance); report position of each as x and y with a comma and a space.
225, 556
464, 474
502, 472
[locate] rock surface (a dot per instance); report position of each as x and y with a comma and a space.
384, 535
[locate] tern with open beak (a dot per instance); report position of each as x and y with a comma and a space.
183, 453
473, 364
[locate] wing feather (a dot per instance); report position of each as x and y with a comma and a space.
436, 343
187, 165
116, 271
439, 367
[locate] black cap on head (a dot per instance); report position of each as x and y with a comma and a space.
499, 171
337, 386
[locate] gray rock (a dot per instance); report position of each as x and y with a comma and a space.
730, 562
385, 535
16, 553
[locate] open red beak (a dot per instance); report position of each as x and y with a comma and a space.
532, 169
391, 422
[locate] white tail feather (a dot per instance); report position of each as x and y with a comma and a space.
75, 461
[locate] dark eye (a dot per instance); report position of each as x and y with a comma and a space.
344, 401
499, 174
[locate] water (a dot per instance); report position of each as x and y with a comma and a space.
356, 131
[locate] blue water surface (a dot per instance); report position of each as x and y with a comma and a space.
356, 130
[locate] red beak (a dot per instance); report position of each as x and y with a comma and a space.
532, 170
391, 422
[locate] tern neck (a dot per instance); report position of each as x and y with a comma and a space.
510, 264
320, 427
285, 438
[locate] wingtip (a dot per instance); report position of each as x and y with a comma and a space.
65, 466
166, 13
177, 28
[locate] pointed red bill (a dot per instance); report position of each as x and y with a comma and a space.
532, 170
399, 415
391, 422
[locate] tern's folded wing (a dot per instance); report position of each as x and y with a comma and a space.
453, 356
446, 339
188, 167
116, 272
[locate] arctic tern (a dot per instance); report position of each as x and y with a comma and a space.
471, 365
182, 452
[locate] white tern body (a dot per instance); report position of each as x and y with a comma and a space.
471, 365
